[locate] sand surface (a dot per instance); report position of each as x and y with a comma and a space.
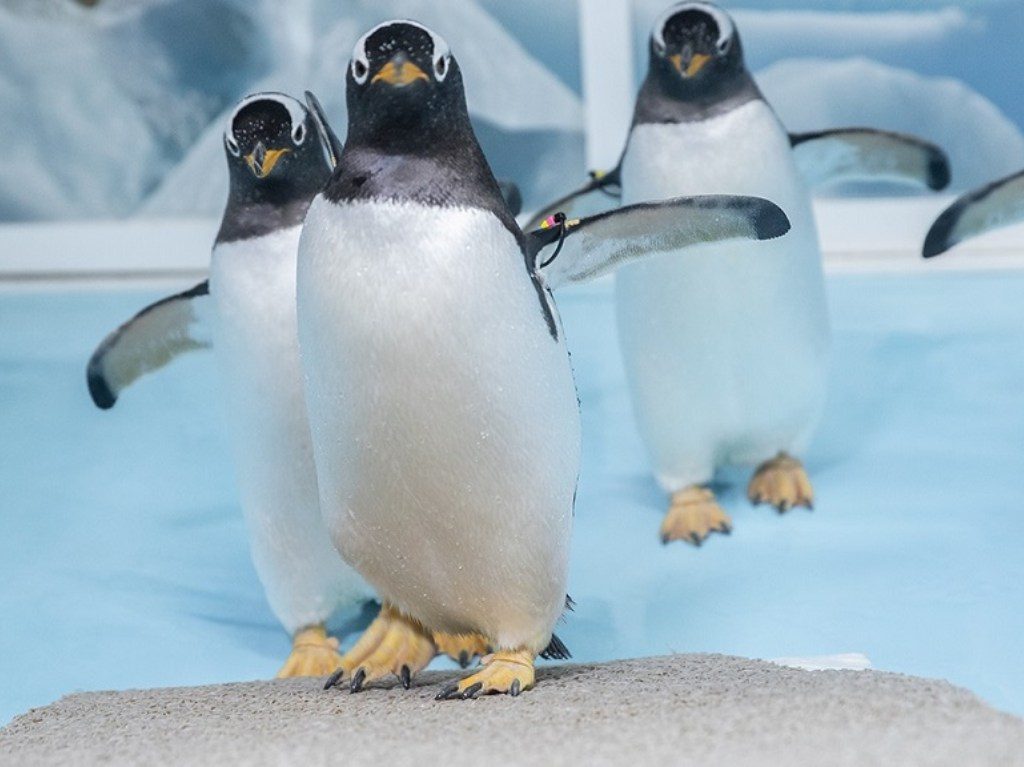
678, 710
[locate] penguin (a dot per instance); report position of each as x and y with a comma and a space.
276, 165
442, 405
993, 206
726, 354
246, 311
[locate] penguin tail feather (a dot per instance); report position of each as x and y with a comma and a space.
556, 650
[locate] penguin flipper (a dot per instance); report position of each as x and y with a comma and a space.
847, 154
578, 250
602, 190
147, 342
994, 205
329, 140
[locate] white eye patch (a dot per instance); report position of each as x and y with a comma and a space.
441, 52
726, 30
296, 114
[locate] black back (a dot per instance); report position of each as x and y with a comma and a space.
276, 167
668, 94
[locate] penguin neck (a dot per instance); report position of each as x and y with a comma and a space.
257, 208
677, 101
444, 169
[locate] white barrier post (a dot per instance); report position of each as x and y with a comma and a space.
606, 53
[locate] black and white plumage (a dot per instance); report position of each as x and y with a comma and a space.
442, 403
697, 73
276, 166
726, 351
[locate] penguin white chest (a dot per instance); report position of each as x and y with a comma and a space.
252, 283
444, 415
725, 345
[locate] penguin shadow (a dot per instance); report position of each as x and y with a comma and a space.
263, 634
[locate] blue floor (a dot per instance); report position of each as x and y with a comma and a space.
123, 560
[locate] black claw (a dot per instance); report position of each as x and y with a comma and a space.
515, 688
783, 507
406, 676
697, 540
665, 539
809, 505
725, 530
334, 678
447, 692
357, 681
473, 690
464, 658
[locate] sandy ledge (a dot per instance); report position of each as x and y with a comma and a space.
678, 710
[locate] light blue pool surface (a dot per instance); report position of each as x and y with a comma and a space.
123, 560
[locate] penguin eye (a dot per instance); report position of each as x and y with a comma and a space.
725, 45
299, 134
441, 68
232, 146
360, 71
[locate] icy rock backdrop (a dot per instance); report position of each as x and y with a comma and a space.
117, 110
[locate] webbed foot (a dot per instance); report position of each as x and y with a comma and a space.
693, 515
313, 654
505, 672
392, 644
782, 483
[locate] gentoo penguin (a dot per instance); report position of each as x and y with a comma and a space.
995, 205
442, 404
275, 168
276, 165
726, 353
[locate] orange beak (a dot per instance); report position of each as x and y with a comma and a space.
400, 72
261, 161
696, 63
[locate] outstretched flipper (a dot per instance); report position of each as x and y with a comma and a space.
602, 191
847, 154
328, 139
569, 251
147, 342
995, 205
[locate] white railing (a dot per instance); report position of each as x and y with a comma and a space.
857, 235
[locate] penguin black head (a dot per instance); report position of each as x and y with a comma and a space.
409, 134
405, 89
694, 45
266, 141
275, 162
696, 56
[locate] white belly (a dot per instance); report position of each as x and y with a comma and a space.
444, 415
252, 283
726, 345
